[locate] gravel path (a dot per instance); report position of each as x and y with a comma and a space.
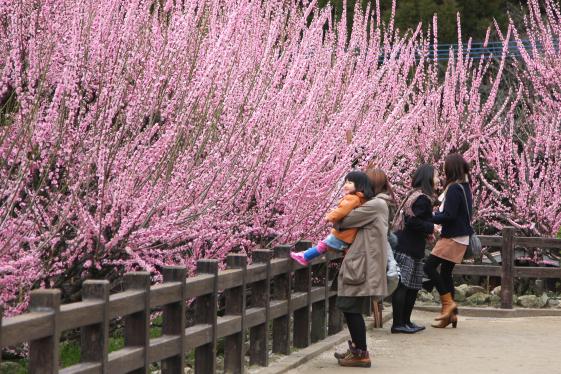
478, 345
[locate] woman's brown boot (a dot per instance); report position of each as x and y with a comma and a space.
356, 358
452, 319
449, 307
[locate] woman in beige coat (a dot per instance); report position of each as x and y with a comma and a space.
363, 270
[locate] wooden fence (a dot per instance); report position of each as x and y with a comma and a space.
279, 289
508, 241
282, 299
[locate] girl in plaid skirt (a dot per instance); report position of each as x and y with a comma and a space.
413, 226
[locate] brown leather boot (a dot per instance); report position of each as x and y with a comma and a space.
449, 307
356, 358
443, 323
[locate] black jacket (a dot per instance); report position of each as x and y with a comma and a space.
412, 239
455, 219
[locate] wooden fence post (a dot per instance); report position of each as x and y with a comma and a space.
234, 352
319, 308
44, 352
282, 291
507, 256
206, 313
302, 283
377, 316
335, 317
174, 319
94, 339
261, 295
137, 325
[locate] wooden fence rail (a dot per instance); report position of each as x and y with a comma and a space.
284, 306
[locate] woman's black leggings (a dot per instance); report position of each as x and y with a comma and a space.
403, 301
357, 328
443, 281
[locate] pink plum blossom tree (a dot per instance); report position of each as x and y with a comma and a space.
140, 133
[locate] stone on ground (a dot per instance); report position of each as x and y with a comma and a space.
478, 298
472, 290
528, 301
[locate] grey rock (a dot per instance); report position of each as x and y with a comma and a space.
554, 303
496, 291
472, 290
528, 301
478, 298
459, 294
436, 295
463, 288
425, 296
542, 300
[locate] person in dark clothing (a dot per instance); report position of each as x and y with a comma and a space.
413, 225
454, 216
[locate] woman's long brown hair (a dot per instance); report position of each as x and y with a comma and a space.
380, 182
456, 169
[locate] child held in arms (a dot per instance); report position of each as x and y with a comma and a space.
356, 190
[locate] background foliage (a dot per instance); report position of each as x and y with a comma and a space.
477, 15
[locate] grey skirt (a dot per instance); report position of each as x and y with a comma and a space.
354, 304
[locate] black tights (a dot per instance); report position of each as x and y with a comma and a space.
403, 300
443, 281
357, 328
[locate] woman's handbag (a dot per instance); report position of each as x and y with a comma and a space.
474, 248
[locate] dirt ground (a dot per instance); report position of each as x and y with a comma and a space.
478, 345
